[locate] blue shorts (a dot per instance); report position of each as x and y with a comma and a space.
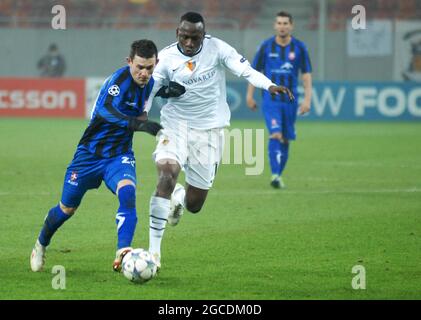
87, 171
280, 118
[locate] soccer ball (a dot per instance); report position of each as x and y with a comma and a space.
139, 266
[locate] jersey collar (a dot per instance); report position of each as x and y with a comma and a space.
274, 39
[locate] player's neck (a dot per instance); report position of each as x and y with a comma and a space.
283, 41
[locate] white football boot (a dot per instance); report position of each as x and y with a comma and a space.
37, 257
176, 205
157, 259
281, 183
277, 182
117, 264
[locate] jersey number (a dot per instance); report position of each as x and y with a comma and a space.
127, 160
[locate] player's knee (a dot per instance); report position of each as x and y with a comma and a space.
167, 181
279, 136
125, 182
193, 207
67, 210
127, 196
276, 136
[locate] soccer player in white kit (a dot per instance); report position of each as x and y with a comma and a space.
192, 136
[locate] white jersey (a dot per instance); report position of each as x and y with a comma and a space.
204, 105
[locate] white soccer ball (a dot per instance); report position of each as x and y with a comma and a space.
139, 265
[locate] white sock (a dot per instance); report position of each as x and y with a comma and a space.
159, 209
180, 195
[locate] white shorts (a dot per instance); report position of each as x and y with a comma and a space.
198, 152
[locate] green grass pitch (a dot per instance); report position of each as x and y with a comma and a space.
353, 197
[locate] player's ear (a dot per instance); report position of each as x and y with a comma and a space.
128, 60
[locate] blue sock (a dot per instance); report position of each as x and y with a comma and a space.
126, 218
284, 157
274, 149
55, 218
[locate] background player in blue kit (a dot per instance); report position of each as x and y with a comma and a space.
104, 152
280, 58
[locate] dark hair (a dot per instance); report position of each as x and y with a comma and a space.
284, 14
143, 48
192, 17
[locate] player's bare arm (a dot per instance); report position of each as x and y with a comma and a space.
308, 87
251, 103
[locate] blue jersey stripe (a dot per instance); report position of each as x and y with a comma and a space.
259, 60
305, 60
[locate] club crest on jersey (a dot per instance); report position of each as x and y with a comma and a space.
73, 176
114, 90
191, 65
274, 124
291, 55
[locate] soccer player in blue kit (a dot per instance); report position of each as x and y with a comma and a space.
104, 152
280, 58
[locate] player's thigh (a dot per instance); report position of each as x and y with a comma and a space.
171, 148
204, 157
79, 178
289, 117
273, 117
119, 169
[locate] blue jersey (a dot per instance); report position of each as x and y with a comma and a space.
119, 102
281, 65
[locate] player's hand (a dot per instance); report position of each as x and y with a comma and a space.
251, 103
281, 89
150, 127
304, 108
141, 123
173, 90
143, 116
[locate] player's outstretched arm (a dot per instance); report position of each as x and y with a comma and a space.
142, 123
259, 80
149, 126
109, 113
